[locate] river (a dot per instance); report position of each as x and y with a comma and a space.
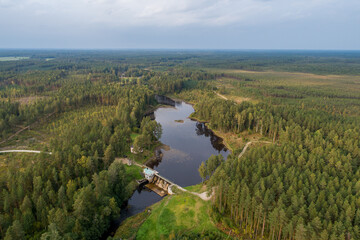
190, 143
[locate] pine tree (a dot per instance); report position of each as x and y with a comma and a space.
202, 171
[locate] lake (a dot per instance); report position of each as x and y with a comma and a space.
190, 143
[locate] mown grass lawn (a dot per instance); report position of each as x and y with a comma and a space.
177, 216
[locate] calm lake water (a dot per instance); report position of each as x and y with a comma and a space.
190, 144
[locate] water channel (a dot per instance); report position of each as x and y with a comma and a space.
190, 143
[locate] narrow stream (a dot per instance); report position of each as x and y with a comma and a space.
190, 143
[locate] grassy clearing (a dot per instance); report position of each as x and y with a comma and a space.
180, 216
199, 188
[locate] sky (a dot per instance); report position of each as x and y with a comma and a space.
180, 24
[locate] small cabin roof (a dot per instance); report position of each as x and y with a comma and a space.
148, 171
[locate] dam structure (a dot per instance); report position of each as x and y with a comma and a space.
157, 183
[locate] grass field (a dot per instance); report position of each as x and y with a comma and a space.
199, 188
129, 228
179, 216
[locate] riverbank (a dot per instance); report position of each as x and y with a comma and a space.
232, 141
226, 140
157, 155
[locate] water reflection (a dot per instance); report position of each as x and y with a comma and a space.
165, 100
155, 162
216, 141
137, 204
139, 201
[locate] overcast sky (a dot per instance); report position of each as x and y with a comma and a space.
194, 24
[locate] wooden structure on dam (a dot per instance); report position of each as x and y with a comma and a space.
157, 183
153, 180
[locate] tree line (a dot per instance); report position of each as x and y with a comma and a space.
304, 186
75, 192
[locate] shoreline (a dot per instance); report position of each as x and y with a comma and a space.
216, 132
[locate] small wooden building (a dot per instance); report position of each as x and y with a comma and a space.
149, 174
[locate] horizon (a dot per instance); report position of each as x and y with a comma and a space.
184, 49
160, 24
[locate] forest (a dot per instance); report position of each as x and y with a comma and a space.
304, 186
87, 108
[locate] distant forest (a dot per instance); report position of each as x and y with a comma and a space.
86, 106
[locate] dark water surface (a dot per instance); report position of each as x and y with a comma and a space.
190, 144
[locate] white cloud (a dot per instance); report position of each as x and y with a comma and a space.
128, 13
